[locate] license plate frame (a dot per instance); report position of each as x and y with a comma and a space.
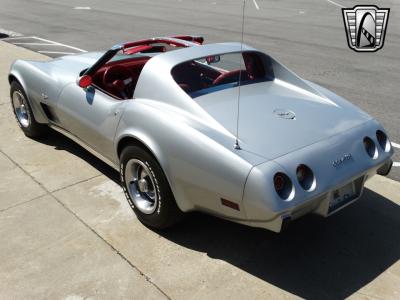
342, 196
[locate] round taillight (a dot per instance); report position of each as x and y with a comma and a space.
305, 177
283, 186
383, 140
370, 147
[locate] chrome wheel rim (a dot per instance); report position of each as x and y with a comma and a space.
20, 108
141, 186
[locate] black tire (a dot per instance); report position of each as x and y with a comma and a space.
31, 128
166, 211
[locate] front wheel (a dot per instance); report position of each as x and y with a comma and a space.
23, 112
147, 190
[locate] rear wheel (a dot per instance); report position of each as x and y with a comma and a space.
147, 190
23, 112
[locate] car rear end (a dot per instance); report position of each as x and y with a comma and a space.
320, 178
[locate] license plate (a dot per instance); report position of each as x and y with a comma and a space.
342, 196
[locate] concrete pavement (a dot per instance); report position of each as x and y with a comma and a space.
67, 232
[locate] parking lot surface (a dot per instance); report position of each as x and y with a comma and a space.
66, 232
308, 36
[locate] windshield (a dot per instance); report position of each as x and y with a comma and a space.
121, 56
154, 50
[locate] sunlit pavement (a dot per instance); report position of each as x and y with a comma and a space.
67, 232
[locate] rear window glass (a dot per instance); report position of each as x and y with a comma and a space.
210, 74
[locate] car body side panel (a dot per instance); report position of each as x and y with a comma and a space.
200, 169
43, 81
38, 85
91, 115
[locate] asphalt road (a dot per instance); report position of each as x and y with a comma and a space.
307, 36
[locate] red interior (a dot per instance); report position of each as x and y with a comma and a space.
119, 78
192, 76
117, 74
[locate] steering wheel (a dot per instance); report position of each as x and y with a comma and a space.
119, 81
229, 77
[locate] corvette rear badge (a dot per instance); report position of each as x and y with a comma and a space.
285, 114
365, 27
338, 162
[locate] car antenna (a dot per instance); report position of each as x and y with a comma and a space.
237, 146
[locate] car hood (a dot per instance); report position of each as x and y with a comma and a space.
67, 68
85, 57
74, 64
276, 117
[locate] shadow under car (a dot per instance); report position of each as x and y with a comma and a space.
314, 258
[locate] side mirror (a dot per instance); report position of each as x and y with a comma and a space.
84, 81
213, 59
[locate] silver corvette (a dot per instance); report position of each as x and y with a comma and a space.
219, 128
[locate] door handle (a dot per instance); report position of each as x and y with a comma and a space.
118, 109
